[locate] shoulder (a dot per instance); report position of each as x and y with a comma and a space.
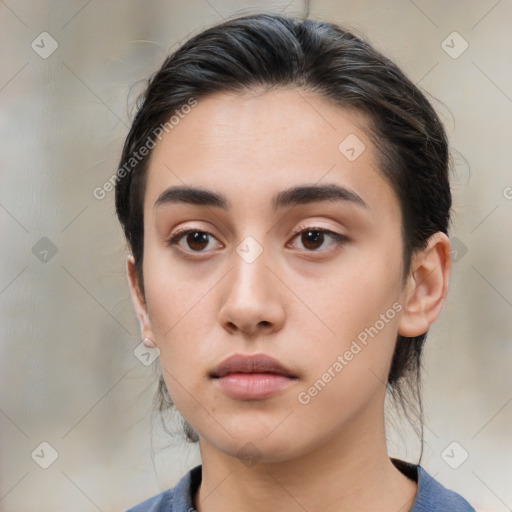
432, 496
178, 499
160, 503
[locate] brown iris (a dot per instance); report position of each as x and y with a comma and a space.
197, 240
312, 237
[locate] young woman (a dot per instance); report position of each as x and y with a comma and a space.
284, 192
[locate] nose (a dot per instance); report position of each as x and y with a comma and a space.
253, 298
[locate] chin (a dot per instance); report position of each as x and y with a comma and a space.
252, 444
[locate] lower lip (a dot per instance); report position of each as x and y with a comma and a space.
253, 386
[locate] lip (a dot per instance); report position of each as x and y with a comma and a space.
253, 363
252, 377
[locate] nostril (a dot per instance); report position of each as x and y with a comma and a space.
231, 327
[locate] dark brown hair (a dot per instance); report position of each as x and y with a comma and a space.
277, 51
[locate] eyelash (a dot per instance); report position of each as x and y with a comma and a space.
338, 239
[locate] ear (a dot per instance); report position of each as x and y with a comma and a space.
139, 303
426, 286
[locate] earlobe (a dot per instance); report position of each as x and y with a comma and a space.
426, 287
148, 342
139, 303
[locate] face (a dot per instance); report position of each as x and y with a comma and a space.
271, 270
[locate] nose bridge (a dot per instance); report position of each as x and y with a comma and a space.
250, 272
252, 298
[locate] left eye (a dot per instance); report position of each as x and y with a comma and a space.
313, 238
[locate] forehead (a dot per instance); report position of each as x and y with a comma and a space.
239, 121
262, 142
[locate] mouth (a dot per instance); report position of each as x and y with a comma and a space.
252, 377
258, 363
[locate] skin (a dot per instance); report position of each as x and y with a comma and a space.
300, 303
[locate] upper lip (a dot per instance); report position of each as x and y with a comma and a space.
254, 363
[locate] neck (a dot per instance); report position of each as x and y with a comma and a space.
350, 472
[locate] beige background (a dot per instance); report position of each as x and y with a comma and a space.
68, 373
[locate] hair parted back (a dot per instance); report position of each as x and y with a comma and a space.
273, 51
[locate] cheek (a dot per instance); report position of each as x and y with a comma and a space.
175, 292
181, 310
347, 370
352, 297
356, 318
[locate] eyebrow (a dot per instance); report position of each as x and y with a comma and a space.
298, 195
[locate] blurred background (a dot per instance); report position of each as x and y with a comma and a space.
76, 423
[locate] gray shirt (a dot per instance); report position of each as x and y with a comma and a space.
430, 497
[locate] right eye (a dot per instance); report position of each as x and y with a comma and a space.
196, 239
